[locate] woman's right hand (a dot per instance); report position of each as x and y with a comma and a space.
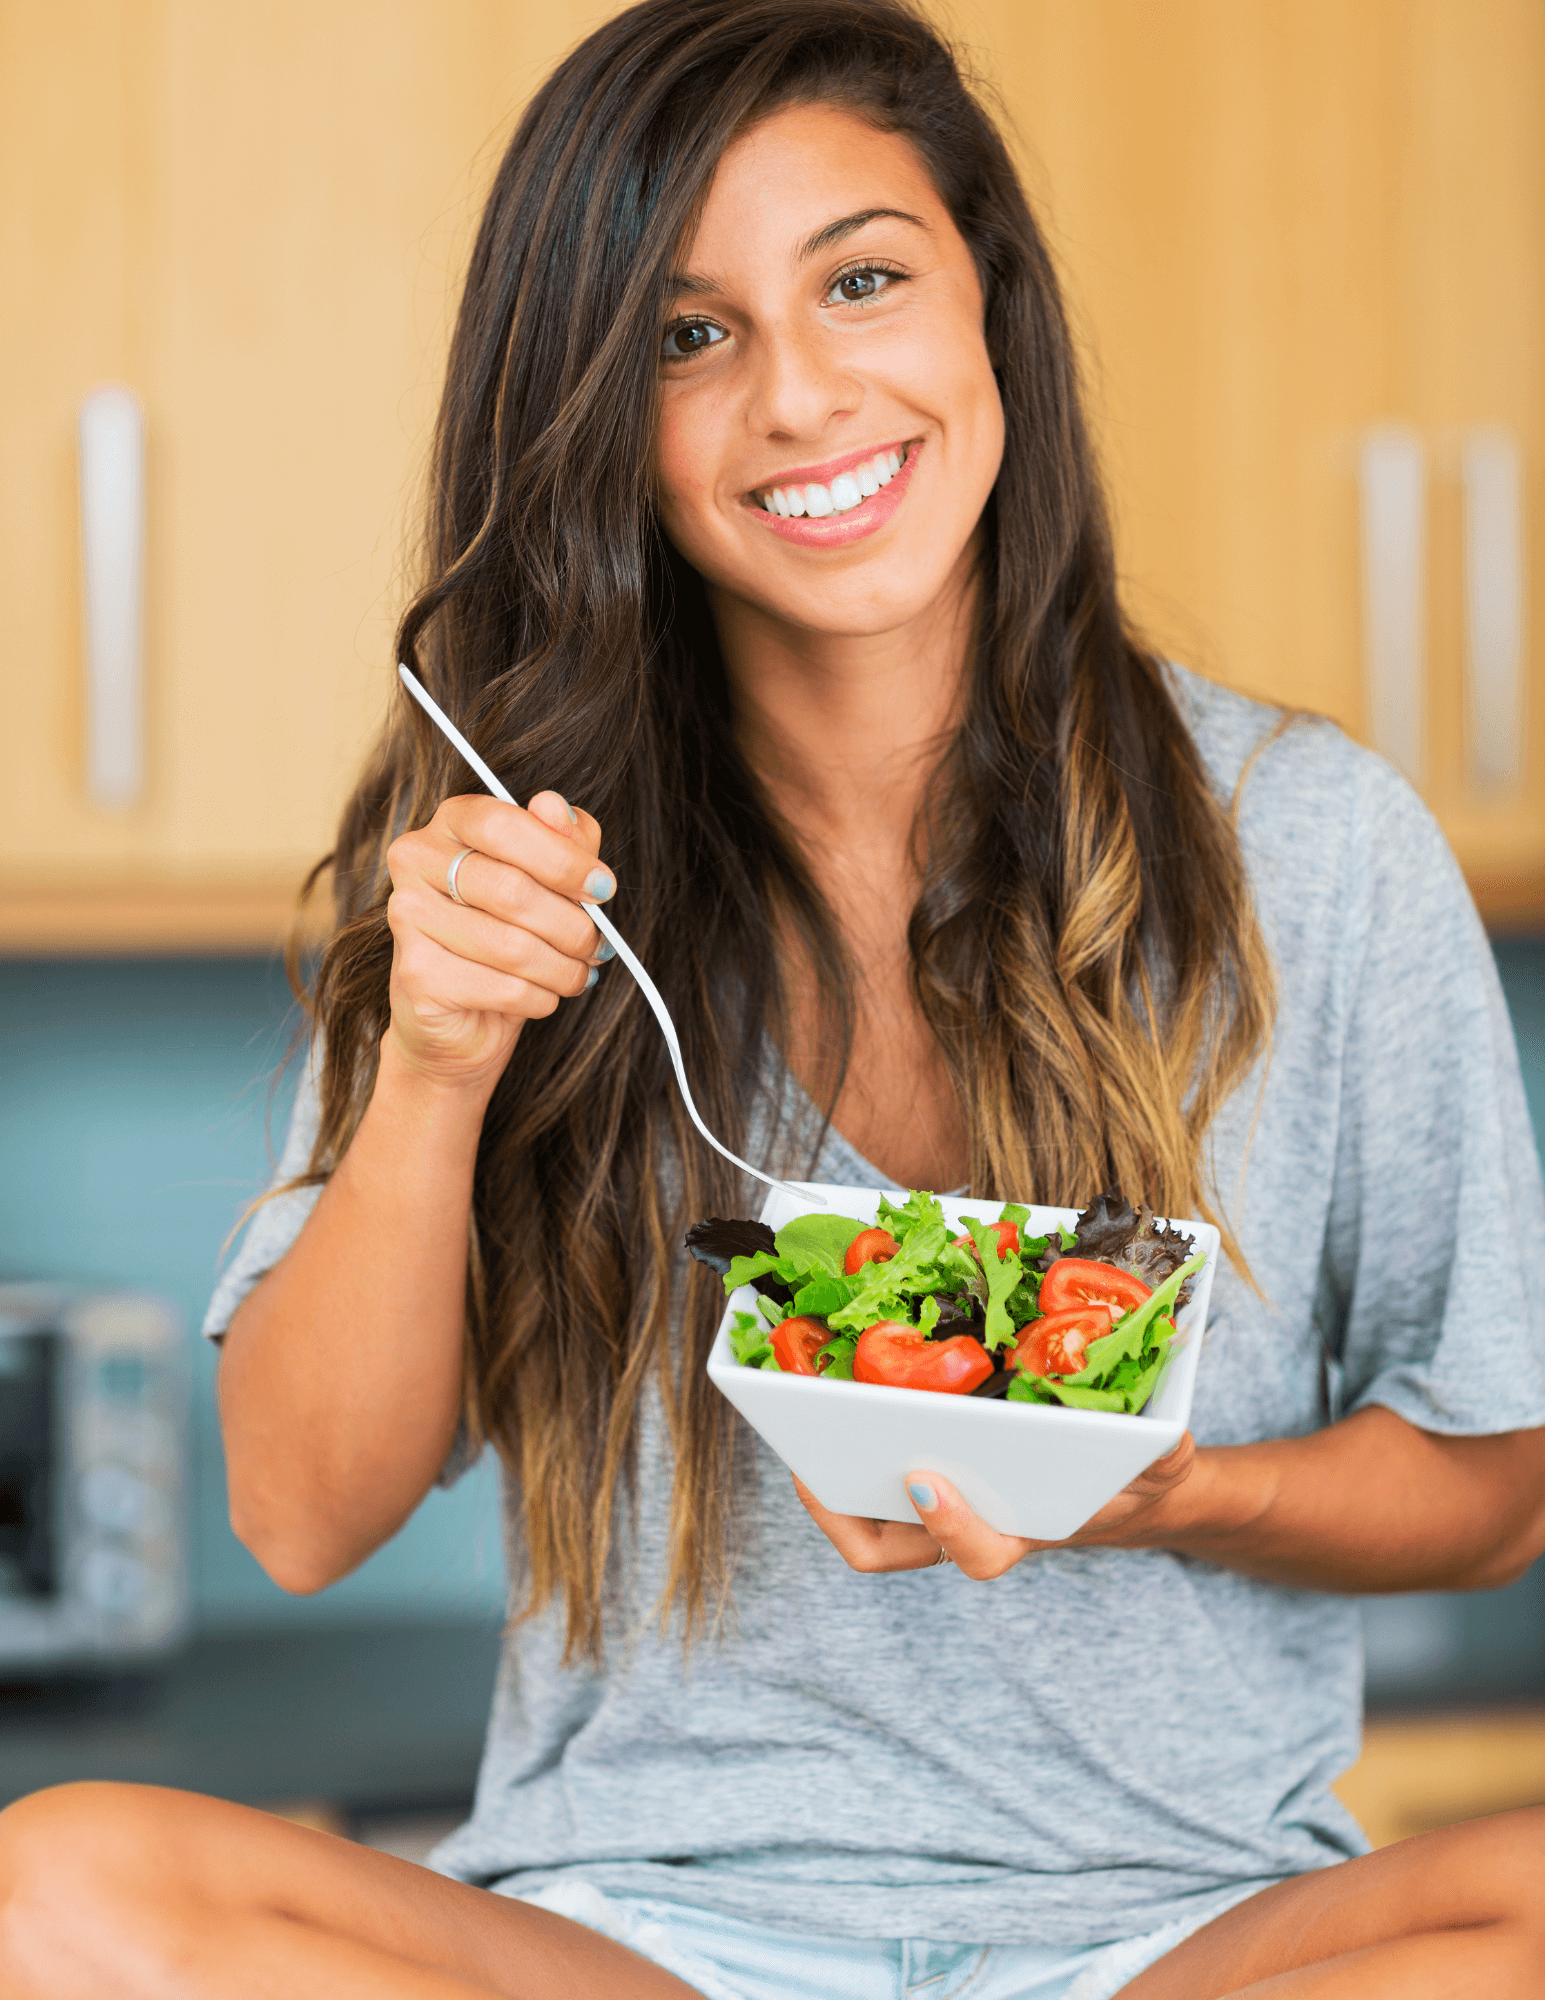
467, 976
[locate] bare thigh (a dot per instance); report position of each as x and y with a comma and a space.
1454, 1915
147, 1894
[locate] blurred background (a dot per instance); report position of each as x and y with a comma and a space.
1304, 244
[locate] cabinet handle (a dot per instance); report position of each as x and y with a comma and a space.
1492, 477
112, 518
1394, 480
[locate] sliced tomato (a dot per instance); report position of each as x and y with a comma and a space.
897, 1354
796, 1343
869, 1246
1055, 1344
1008, 1238
1082, 1281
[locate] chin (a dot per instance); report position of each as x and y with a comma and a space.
854, 603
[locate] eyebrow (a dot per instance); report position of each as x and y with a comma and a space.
687, 284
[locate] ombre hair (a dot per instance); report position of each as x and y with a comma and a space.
1082, 944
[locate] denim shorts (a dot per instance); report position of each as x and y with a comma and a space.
728, 1959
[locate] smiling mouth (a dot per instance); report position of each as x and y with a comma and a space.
848, 490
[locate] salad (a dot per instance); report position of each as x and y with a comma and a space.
1082, 1317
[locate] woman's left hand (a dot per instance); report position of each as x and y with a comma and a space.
1135, 1518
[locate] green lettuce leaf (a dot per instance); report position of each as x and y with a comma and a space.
1131, 1333
816, 1243
749, 1343
825, 1295
920, 1210
881, 1295
839, 1357
1003, 1275
743, 1269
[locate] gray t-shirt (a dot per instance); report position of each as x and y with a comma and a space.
1102, 1741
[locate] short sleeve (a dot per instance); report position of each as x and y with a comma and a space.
1437, 1225
276, 1224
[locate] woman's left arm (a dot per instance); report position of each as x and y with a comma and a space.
1367, 1505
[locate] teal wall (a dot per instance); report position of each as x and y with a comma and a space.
136, 1113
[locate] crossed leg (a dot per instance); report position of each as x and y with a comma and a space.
159, 1895
1454, 1915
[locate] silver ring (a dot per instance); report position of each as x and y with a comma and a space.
450, 877
943, 1556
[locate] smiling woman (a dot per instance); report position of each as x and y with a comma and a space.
763, 527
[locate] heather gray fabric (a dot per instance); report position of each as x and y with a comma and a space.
1101, 1742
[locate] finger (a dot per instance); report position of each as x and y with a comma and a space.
1169, 1470
870, 1546
508, 897
510, 834
473, 934
554, 810
435, 984
972, 1546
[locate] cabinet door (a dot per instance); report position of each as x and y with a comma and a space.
254, 215
1281, 225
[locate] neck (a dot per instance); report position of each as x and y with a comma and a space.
845, 730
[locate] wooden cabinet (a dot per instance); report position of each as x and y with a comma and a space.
254, 216
1281, 223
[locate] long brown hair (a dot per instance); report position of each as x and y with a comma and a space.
1082, 945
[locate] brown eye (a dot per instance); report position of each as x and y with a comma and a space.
853, 288
690, 336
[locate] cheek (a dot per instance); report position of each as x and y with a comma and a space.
684, 461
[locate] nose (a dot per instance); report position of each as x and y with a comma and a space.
798, 385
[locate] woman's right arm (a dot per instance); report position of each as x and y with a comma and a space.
341, 1373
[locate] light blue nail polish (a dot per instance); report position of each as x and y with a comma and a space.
599, 886
594, 976
922, 1496
605, 950
573, 816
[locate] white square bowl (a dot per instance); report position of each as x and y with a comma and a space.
1026, 1468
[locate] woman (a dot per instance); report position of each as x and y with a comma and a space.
909, 829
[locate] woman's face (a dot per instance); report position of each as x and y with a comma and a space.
827, 325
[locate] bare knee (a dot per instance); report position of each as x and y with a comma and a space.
79, 1868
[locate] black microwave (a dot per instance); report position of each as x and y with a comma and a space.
93, 1478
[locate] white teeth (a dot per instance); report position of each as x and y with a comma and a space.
847, 490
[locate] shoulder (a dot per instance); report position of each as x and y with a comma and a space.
1302, 790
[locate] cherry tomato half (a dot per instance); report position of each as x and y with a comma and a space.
1083, 1281
869, 1246
1008, 1238
897, 1355
1055, 1345
796, 1343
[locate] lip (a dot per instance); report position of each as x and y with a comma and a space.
824, 473
837, 530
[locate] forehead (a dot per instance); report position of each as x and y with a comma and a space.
793, 172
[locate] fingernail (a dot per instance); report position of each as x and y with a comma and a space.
922, 1496
594, 976
599, 886
605, 950
573, 816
